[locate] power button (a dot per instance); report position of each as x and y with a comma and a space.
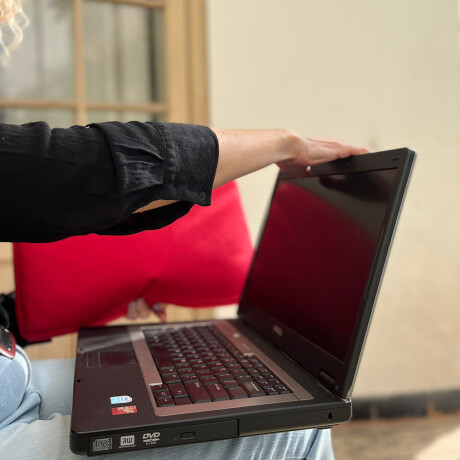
188, 435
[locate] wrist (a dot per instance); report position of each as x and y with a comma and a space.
289, 145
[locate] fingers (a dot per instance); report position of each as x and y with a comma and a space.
349, 149
138, 308
159, 308
321, 151
131, 312
357, 150
143, 309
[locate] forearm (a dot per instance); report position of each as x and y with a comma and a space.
244, 151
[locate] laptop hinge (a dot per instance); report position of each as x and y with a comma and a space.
326, 380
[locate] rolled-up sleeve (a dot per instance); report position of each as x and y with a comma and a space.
56, 183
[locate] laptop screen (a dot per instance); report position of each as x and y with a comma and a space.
329, 227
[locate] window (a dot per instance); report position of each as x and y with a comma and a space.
84, 61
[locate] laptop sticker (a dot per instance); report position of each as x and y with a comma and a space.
124, 410
120, 399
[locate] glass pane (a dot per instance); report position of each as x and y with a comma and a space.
99, 116
123, 53
42, 66
56, 118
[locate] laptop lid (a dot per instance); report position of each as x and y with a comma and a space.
315, 276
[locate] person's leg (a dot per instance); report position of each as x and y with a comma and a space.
54, 379
50, 438
17, 400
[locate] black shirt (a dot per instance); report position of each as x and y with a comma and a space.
56, 183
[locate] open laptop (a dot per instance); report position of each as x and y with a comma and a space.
290, 358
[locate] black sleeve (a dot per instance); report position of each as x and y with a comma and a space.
56, 183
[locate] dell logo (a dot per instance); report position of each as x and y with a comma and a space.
277, 330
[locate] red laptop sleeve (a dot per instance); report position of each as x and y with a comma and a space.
200, 260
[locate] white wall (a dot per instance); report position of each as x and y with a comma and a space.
380, 74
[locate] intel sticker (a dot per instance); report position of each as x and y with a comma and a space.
120, 399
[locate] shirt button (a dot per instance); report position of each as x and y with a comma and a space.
203, 196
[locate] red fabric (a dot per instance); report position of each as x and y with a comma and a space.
200, 260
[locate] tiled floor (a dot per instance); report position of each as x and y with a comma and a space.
431, 438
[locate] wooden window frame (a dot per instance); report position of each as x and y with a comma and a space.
185, 66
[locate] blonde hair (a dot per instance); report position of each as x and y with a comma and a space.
12, 22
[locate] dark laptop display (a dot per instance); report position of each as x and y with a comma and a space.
330, 227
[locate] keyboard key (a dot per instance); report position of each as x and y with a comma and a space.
178, 390
234, 366
223, 354
162, 394
206, 354
254, 372
270, 390
229, 383
169, 371
173, 378
182, 366
200, 367
208, 380
236, 393
189, 355
219, 371
197, 392
176, 355
225, 377
185, 370
217, 392
189, 378
164, 363
253, 389
164, 402
183, 401
203, 373
282, 389
162, 387
243, 378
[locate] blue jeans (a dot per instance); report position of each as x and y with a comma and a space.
39, 427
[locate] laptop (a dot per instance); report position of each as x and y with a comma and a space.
289, 360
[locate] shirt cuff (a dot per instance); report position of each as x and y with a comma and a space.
191, 154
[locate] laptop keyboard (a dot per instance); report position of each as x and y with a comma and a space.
198, 364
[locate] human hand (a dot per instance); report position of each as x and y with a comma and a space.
139, 309
307, 152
